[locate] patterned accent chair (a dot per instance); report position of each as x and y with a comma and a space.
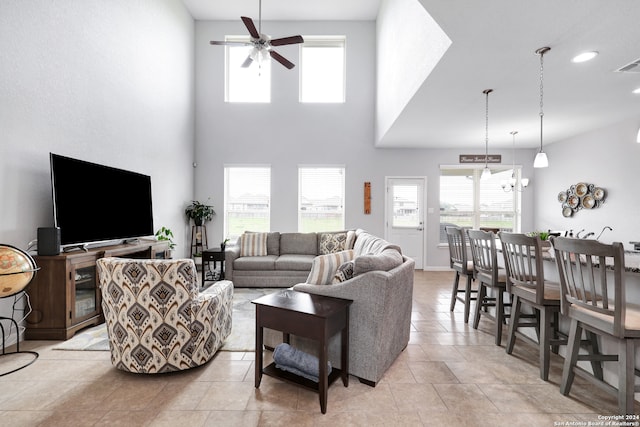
156, 318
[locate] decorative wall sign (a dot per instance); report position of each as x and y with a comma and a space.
367, 198
480, 158
580, 196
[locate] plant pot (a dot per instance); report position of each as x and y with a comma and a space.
222, 247
197, 221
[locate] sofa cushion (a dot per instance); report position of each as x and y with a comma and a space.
294, 262
368, 244
324, 266
343, 273
253, 244
387, 260
266, 262
299, 243
335, 241
273, 243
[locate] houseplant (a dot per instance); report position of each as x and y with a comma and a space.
166, 235
199, 212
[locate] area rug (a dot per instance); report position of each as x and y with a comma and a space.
242, 336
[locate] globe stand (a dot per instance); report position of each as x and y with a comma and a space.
35, 355
17, 269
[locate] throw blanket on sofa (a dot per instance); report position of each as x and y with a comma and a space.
298, 362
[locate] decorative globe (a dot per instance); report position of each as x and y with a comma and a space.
17, 269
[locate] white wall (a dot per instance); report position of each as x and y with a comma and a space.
608, 158
409, 45
285, 134
105, 81
108, 82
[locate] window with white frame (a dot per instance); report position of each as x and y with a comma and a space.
246, 84
322, 69
469, 202
247, 199
320, 198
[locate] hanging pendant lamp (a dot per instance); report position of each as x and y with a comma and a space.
541, 160
486, 172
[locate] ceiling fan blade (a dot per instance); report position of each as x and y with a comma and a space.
281, 59
225, 43
248, 22
287, 40
247, 62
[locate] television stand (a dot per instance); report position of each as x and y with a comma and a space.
81, 246
65, 294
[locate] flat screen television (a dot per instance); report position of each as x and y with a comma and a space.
95, 203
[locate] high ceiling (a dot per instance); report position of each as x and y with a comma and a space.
493, 47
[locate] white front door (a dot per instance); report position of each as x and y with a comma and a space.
405, 215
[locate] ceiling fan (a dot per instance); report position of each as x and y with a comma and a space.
262, 43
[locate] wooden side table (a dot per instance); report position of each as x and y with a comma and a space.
306, 315
214, 255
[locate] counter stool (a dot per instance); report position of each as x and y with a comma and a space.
488, 275
459, 263
525, 282
595, 302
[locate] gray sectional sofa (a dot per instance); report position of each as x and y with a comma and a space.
381, 288
287, 262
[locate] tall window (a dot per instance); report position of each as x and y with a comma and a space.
469, 202
247, 199
246, 84
320, 198
322, 69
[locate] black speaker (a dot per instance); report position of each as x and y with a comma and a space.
48, 241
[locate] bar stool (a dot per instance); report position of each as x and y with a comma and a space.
488, 275
595, 302
525, 282
459, 263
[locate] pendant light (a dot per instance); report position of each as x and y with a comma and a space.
512, 184
541, 160
486, 172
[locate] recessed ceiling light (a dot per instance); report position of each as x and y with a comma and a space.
636, 91
585, 56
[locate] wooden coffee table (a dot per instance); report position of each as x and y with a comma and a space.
306, 315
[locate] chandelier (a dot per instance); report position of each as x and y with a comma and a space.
513, 184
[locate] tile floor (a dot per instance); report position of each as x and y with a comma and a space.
449, 375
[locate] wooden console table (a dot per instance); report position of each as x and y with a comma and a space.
306, 315
65, 294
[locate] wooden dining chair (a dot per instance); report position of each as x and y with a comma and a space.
488, 276
459, 262
526, 283
593, 297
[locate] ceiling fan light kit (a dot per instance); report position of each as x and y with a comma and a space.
262, 43
512, 184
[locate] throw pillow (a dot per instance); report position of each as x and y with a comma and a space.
330, 243
343, 273
324, 267
387, 260
253, 244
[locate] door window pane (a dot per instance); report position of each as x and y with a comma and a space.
405, 206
